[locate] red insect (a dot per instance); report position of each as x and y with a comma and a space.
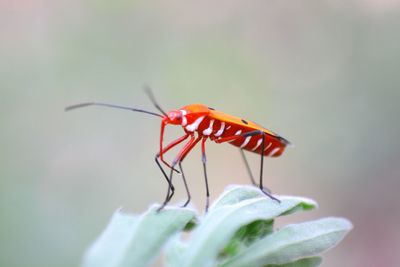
201, 123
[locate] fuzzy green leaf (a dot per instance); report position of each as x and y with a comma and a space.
306, 262
246, 235
174, 250
235, 194
237, 231
231, 212
292, 242
131, 240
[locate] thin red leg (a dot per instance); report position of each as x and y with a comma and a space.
164, 150
174, 143
169, 146
162, 128
186, 149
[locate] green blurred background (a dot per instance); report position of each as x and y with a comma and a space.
324, 74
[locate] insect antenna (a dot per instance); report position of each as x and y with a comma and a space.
150, 94
82, 105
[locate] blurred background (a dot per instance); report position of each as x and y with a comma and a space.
322, 73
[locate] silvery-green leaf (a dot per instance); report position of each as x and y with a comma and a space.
246, 235
292, 242
236, 193
306, 262
131, 240
174, 250
219, 226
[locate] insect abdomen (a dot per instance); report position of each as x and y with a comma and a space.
216, 129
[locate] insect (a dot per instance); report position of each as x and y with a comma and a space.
201, 123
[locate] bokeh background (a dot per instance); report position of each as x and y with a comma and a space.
322, 73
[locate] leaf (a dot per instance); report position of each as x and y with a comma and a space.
228, 215
306, 262
174, 251
292, 242
131, 240
236, 193
237, 231
246, 235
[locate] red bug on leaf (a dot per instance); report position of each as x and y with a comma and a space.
201, 123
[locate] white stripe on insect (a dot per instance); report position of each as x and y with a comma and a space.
221, 130
258, 144
237, 133
246, 141
274, 151
209, 130
184, 120
193, 127
268, 146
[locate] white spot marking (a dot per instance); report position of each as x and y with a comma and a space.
237, 133
258, 144
246, 141
274, 151
221, 130
193, 127
209, 130
184, 120
228, 127
266, 148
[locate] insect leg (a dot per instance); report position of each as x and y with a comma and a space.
168, 147
186, 186
184, 151
170, 185
169, 196
204, 159
252, 133
261, 170
183, 175
164, 150
181, 156
246, 163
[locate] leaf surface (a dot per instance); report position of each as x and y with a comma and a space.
292, 242
236, 208
131, 240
